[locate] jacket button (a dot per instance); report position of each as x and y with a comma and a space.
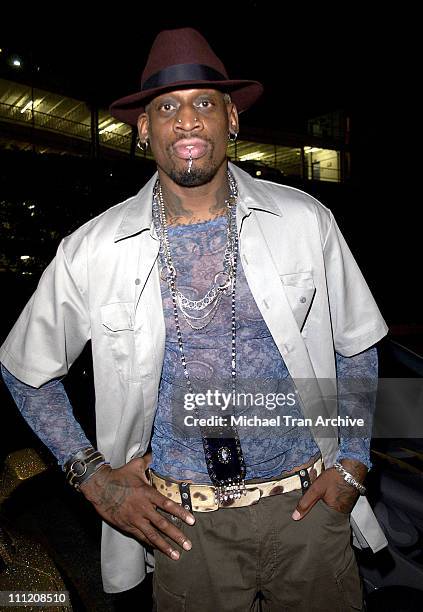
137, 281
303, 300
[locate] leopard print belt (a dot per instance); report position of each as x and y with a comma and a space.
202, 497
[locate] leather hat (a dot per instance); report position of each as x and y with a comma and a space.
181, 59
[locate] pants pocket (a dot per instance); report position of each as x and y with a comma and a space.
339, 516
166, 601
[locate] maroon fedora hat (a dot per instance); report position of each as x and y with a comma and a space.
179, 59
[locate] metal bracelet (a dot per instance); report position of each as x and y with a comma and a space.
82, 465
350, 478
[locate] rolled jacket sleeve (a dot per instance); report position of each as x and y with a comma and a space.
356, 320
52, 329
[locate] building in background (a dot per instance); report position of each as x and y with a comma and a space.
46, 122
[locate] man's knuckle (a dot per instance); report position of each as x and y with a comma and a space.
168, 505
151, 533
181, 539
162, 524
133, 531
168, 550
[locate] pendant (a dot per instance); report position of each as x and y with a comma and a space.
224, 454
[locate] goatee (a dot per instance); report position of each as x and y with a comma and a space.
194, 178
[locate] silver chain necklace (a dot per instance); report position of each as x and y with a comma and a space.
223, 279
232, 486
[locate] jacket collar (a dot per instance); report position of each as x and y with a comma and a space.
252, 195
138, 213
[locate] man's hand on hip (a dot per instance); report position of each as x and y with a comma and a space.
331, 487
124, 498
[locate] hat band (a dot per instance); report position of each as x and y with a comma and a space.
180, 73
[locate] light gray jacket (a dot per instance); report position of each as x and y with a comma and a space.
103, 286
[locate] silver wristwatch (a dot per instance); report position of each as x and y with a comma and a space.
350, 478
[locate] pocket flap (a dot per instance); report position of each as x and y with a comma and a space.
299, 289
118, 316
298, 279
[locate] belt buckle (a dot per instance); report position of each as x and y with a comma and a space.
248, 498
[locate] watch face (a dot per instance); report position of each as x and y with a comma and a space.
79, 468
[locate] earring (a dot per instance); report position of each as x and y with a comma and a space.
232, 136
143, 145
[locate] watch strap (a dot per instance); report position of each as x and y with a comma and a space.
82, 465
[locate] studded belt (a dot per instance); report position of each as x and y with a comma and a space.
202, 497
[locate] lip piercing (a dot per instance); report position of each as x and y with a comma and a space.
189, 159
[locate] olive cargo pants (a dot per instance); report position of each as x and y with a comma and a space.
259, 558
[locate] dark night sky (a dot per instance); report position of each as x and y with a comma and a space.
309, 60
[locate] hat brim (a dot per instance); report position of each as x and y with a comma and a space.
243, 94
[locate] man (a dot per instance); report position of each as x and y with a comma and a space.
205, 275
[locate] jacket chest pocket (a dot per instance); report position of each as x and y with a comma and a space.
118, 324
300, 290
